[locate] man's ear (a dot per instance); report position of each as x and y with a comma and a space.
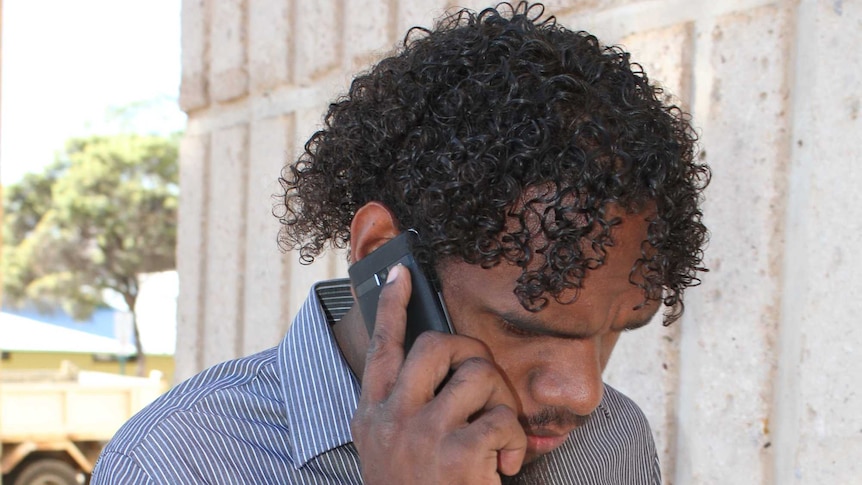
372, 225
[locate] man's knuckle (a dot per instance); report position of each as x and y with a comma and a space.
479, 368
503, 413
380, 340
429, 340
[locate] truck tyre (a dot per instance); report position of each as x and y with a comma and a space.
49, 472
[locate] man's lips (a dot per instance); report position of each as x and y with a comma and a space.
540, 443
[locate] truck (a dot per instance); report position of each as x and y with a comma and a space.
53, 424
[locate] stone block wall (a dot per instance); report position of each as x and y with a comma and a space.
756, 383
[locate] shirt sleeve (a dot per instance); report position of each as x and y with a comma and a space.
116, 468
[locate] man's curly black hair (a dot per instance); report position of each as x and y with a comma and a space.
502, 136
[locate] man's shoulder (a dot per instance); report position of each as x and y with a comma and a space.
215, 392
224, 410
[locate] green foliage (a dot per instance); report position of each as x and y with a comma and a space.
101, 215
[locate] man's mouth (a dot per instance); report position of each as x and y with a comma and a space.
540, 443
546, 431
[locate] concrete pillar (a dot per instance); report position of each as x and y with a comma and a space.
816, 409
756, 383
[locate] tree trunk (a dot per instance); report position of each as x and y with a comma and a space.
131, 301
142, 364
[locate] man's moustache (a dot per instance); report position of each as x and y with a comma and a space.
554, 418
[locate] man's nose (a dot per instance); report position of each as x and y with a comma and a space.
571, 378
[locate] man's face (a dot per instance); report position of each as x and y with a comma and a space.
554, 358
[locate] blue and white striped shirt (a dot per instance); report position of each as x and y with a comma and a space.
283, 416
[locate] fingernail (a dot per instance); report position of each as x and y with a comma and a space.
393, 273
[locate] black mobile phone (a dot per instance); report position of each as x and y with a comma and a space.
425, 310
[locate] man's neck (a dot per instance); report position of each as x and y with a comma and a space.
352, 338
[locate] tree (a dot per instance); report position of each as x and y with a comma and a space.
104, 213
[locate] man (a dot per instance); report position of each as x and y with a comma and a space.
556, 201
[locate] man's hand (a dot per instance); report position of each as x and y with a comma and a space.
466, 433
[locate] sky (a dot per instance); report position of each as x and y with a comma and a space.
73, 68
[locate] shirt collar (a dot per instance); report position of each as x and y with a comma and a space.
321, 393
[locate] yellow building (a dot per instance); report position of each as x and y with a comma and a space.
27, 343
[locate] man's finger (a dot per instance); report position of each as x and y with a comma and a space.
433, 357
499, 434
386, 349
476, 385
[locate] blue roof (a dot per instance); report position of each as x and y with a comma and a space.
101, 323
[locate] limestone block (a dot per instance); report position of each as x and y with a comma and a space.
318, 40
263, 323
229, 75
225, 253
195, 59
422, 13
665, 55
191, 239
824, 278
727, 376
369, 30
268, 55
556, 7
588, 5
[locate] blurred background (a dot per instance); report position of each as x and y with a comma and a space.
158, 129
89, 93
89, 137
